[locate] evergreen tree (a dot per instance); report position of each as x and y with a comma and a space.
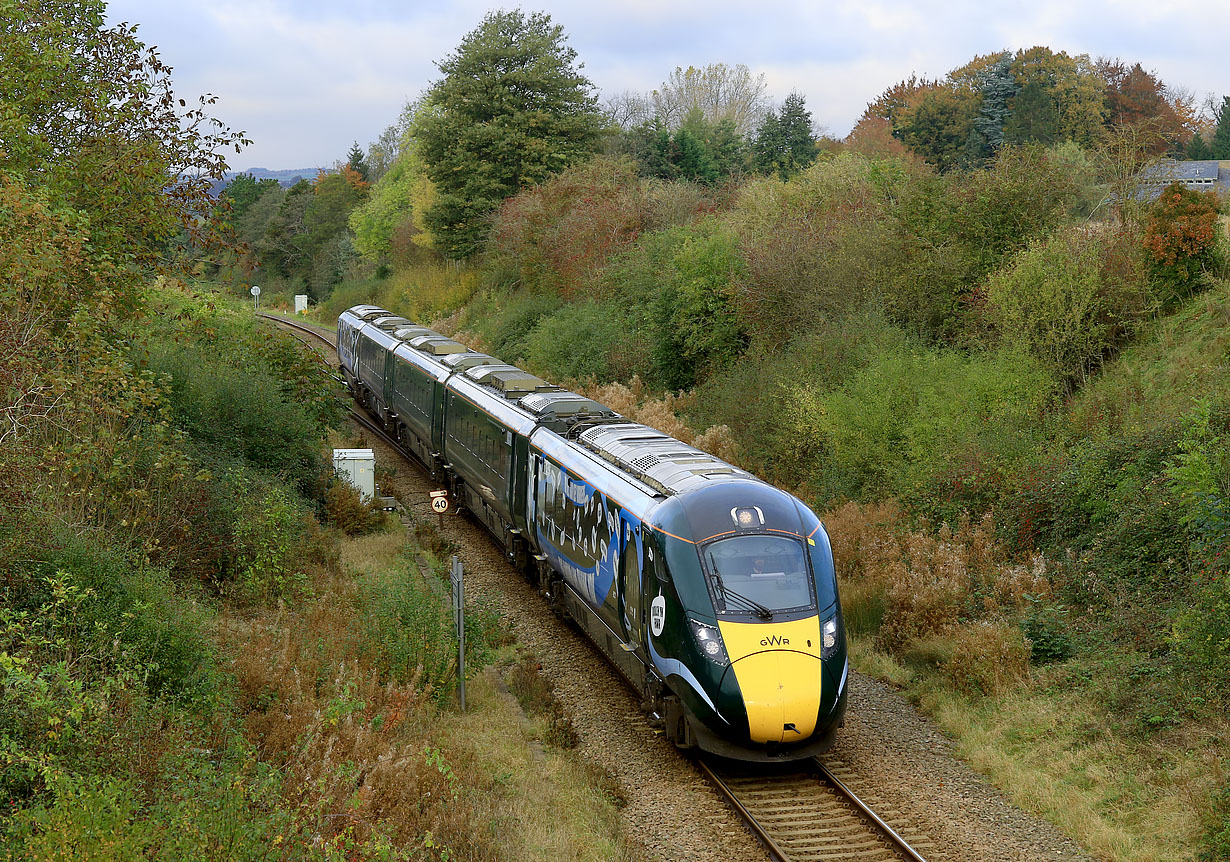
1198, 149
998, 88
511, 109
357, 161
1220, 145
784, 144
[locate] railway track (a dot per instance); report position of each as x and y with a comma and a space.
807, 811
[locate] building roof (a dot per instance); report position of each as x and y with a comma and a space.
1207, 175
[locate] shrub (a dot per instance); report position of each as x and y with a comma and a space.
988, 657
698, 330
1045, 626
346, 510
270, 546
1072, 299
1216, 821
575, 343
506, 328
1183, 239
912, 418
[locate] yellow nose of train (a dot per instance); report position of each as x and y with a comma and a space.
778, 668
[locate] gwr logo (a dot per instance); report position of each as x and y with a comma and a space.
775, 640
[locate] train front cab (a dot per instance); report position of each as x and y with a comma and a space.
747, 630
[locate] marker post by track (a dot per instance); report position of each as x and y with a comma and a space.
459, 617
439, 504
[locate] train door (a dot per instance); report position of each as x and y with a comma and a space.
630, 587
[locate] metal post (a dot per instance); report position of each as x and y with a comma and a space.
459, 614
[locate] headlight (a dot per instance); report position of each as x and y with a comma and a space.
828, 638
710, 641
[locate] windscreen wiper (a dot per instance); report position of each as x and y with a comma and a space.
748, 603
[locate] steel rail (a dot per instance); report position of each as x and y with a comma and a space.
891, 834
794, 824
298, 326
733, 798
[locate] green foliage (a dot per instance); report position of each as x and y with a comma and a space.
390, 208
784, 144
911, 420
1071, 300
242, 193
507, 330
270, 535
125, 157
575, 343
242, 407
1046, 628
1200, 477
409, 629
697, 327
511, 108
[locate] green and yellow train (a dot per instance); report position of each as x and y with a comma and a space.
712, 592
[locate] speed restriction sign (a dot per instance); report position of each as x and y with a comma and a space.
439, 501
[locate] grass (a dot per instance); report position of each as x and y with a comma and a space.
376, 759
1052, 747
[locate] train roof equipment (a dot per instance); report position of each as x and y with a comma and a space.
663, 463
437, 345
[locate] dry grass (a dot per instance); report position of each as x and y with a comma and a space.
1054, 753
373, 764
948, 600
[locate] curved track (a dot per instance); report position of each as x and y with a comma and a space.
808, 813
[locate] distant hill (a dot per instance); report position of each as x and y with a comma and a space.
285, 178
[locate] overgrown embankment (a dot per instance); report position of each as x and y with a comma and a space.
1016, 415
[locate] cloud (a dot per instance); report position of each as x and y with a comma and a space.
306, 78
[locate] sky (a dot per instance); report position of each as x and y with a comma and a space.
307, 78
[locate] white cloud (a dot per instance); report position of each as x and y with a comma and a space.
305, 78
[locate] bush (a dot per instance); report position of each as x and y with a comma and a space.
1045, 626
505, 329
271, 544
575, 343
241, 411
698, 331
911, 420
1072, 299
1183, 239
988, 657
1217, 827
346, 510
409, 634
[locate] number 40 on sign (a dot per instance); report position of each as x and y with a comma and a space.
439, 501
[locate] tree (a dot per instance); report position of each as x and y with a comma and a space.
998, 88
784, 143
1074, 86
1219, 147
721, 92
937, 125
1138, 98
357, 161
243, 191
1035, 117
88, 119
511, 108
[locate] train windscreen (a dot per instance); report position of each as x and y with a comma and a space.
758, 575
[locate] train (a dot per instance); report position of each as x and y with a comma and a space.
712, 592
